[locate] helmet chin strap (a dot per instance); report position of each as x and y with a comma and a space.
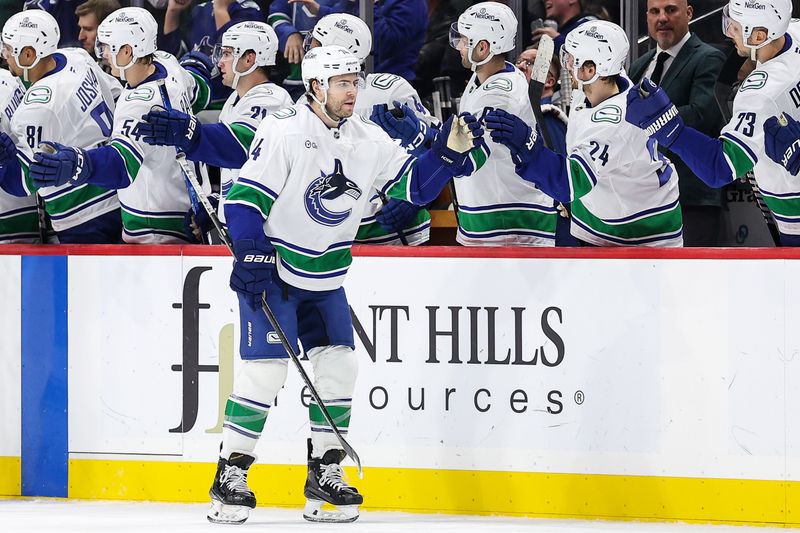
323, 106
26, 69
237, 74
119, 68
475, 64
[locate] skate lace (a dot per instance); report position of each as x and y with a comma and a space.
235, 479
333, 476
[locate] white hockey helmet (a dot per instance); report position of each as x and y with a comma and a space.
599, 41
244, 36
347, 31
492, 22
324, 62
772, 15
131, 26
34, 28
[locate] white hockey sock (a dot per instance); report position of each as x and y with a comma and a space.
254, 390
335, 371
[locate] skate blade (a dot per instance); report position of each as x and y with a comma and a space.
313, 512
227, 514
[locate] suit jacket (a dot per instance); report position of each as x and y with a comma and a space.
689, 83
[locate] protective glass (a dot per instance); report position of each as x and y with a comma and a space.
222, 53
457, 40
567, 60
344, 85
101, 49
728, 24
308, 42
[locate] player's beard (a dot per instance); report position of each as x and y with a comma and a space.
337, 113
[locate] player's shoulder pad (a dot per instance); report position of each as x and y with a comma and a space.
384, 81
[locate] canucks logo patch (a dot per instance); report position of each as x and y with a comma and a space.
383, 81
756, 80
38, 95
143, 93
503, 84
327, 197
284, 113
609, 113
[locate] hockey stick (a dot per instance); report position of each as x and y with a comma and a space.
397, 113
41, 216
180, 157
442, 84
723, 88
539, 70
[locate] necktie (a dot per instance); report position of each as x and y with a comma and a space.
659, 70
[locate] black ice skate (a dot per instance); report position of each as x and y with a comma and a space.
231, 498
325, 484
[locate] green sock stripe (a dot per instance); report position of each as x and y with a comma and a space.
340, 414
245, 417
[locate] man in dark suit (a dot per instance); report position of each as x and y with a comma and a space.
686, 68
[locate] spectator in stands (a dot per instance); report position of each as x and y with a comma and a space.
201, 30
90, 14
292, 20
64, 13
400, 27
569, 14
686, 68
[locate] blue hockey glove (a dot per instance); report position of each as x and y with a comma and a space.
199, 63
163, 127
65, 165
456, 139
650, 109
396, 215
400, 123
782, 142
8, 150
197, 224
253, 270
511, 131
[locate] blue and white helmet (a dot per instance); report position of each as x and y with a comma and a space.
492, 22
599, 41
772, 15
129, 26
34, 28
343, 30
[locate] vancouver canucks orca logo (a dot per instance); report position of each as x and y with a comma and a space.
326, 188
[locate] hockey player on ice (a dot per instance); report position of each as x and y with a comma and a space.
381, 223
292, 215
495, 207
69, 100
761, 30
623, 192
242, 55
19, 219
152, 191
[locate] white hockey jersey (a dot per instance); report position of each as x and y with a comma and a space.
495, 206
157, 199
311, 183
771, 89
623, 191
72, 105
242, 116
386, 89
19, 219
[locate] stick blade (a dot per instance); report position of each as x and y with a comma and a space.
544, 56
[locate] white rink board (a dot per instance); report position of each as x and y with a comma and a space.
668, 367
10, 357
